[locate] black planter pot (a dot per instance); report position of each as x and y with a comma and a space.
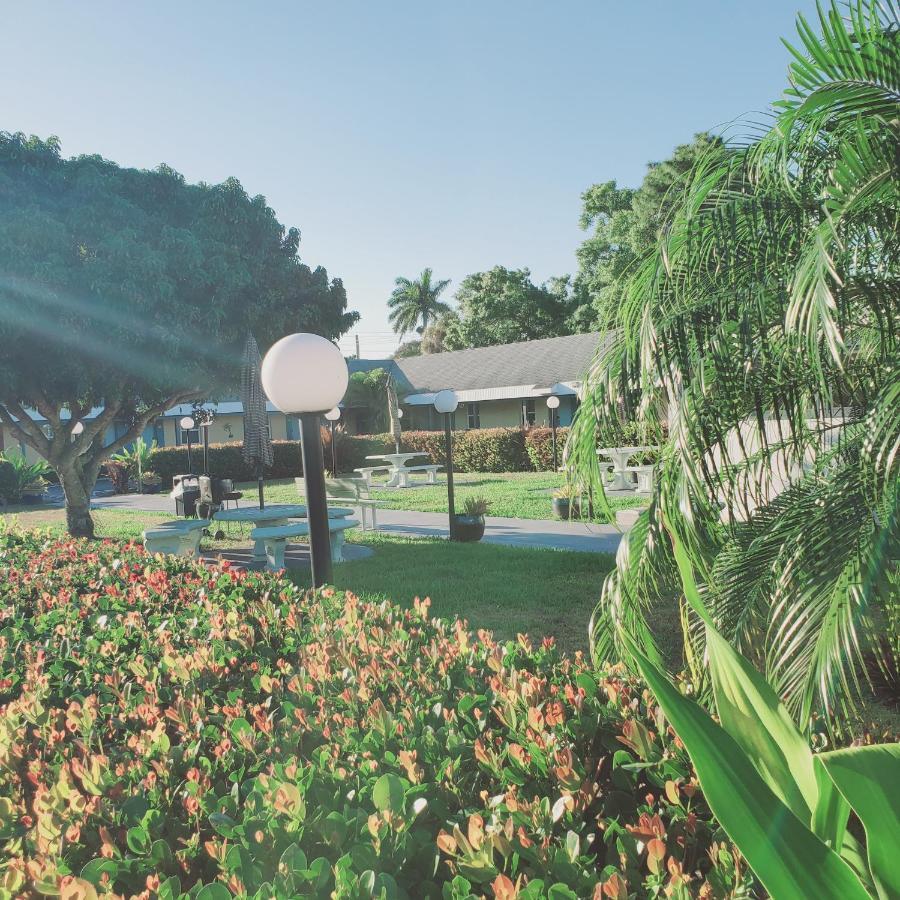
564, 508
32, 499
152, 488
468, 528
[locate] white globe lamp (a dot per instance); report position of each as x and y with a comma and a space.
399, 413
446, 401
78, 428
304, 373
553, 402
333, 414
187, 423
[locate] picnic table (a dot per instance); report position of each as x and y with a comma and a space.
270, 517
619, 457
397, 463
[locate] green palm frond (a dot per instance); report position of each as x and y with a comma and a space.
764, 331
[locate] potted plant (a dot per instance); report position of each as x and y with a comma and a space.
566, 503
469, 524
152, 482
33, 492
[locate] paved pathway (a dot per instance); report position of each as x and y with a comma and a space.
579, 536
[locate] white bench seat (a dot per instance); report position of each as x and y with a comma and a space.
644, 478
275, 537
179, 537
366, 473
429, 470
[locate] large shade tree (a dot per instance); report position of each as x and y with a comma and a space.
415, 302
765, 328
125, 292
502, 306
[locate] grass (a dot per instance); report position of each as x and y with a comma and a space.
506, 590
514, 495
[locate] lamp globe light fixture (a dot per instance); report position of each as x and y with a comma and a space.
78, 428
445, 402
187, 424
552, 406
333, 414
399, 413
305, 375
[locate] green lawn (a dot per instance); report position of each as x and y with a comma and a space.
515, 495
506, 590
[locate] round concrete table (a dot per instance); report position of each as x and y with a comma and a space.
272, 515
620, 457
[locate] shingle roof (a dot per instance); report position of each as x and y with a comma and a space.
542, 363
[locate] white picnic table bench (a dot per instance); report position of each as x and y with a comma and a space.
180, 537
398, 469
274, 539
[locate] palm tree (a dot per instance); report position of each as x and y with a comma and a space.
764, 332
416, 301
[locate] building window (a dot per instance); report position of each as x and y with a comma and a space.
183, 434
474, 421
528, 414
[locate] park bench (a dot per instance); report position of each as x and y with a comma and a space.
366, 473
350, 491
644, 476
429, 470
275, 538
180, 537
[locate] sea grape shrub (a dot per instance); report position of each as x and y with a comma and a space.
170, 729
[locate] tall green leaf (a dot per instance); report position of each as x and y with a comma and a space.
786, 856
869, 779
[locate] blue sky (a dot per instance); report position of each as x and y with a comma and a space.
396, 135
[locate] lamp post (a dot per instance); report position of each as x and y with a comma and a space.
446, 402
552, 406
304, 375
187, 424
332, 416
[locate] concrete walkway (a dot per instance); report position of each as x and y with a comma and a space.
579, 536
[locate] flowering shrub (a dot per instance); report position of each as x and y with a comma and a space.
539, 446
168, 728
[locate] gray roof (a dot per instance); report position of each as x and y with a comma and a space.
540, 363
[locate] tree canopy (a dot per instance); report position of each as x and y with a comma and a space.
131, 290
503, 306
624, 224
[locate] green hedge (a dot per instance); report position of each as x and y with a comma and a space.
172, 729
539, 445
478, 450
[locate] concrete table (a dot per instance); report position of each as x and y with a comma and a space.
397, 462
619, 457
272, 516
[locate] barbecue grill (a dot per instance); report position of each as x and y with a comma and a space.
185, 493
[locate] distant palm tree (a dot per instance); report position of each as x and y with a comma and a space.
415, 302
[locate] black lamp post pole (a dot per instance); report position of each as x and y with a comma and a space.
206, 450
553, 432
448, 446
190, 462
316, 504
333, 452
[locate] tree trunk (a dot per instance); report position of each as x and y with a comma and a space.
77, 486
